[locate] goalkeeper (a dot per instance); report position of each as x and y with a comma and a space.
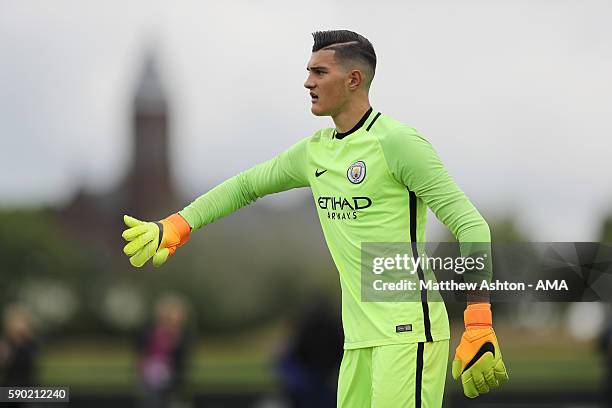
372, 180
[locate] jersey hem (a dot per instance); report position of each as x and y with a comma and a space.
387, 342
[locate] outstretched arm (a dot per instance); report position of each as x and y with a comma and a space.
159, 240
284, 172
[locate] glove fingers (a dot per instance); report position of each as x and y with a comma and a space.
456, 368
480, 383
130, 234
469, 388
160, 257
131, 221
143, 255
490, 379
140, 242
501, 374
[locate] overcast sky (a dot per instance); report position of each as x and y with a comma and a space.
516, 96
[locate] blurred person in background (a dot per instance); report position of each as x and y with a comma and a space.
18, 349
372, 179
308, 367
162, 348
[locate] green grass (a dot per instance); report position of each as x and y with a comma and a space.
243, 363
240, 363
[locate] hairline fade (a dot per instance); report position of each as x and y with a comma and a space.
349, 46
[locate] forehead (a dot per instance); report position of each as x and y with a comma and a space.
322, 58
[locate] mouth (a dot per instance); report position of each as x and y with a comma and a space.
313, 97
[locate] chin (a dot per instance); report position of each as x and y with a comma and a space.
318, 111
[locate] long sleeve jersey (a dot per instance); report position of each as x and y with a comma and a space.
371, 184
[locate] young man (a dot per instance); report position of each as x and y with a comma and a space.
372, 179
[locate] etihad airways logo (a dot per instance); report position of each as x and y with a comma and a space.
342, 208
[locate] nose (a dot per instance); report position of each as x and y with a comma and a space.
308, 84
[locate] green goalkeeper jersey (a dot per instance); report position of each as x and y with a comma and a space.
371, 184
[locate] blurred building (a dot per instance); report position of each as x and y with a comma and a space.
146, 191
150, 173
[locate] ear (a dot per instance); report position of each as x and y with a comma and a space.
355, 79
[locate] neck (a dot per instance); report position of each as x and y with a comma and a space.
347, 118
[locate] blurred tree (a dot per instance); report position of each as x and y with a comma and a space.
605, 233
231, 279
43, 268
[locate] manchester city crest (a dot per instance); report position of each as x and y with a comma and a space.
356, 172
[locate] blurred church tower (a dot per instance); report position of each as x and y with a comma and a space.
146, 192
149, 190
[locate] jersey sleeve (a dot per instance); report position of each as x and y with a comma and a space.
283, 172
413, 162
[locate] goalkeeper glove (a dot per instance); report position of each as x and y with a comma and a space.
478, 359
158, 240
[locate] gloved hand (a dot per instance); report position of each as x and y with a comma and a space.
154, 239
478, 359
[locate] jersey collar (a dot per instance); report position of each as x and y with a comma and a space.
338, 135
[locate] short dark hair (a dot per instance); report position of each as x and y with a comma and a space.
348, 45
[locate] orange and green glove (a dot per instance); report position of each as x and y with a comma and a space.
157, 240
478, 360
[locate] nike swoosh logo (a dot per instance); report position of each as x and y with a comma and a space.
318, 173
485, 348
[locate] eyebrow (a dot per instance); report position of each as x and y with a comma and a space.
316, 67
